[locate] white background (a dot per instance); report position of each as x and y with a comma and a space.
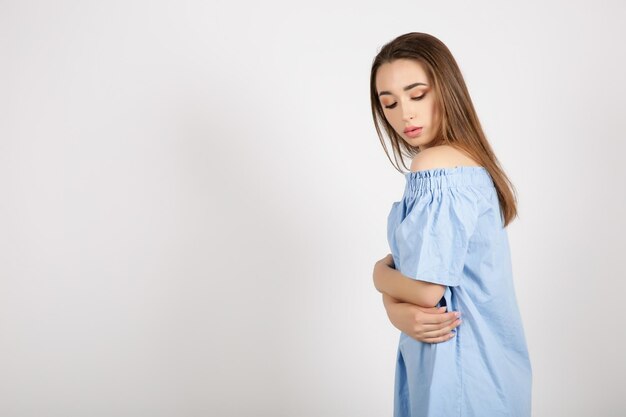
192, 198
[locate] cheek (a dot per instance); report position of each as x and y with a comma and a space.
434, 112
390, 119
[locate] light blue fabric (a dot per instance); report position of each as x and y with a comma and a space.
448, 229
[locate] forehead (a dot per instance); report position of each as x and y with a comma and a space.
393, 76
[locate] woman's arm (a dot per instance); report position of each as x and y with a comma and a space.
428, 325
390, 281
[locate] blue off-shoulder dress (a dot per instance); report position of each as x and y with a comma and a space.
447, 229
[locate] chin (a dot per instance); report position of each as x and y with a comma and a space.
416, 141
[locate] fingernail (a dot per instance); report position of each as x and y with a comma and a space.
458, 314
442, 308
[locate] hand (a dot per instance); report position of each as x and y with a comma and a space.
428, 325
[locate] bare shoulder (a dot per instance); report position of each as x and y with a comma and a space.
442, 156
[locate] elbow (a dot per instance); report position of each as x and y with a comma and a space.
429, 304
379, 279
376, 280
433, 295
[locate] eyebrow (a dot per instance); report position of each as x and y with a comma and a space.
407, 88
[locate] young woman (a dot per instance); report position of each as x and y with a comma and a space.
449, 246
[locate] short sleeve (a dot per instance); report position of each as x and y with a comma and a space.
433, 238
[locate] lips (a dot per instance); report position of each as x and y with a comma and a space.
411, 128
413, 132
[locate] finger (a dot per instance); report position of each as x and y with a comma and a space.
433, 326
441, 309
451, 324
439, 339
438, 318
442, 331
430, 310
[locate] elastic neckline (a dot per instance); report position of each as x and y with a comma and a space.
434, 172
447, 177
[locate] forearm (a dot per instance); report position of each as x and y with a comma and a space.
389, 302
398, 287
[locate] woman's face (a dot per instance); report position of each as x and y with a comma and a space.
407, 99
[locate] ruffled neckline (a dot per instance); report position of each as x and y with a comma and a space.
436, 172
447, 177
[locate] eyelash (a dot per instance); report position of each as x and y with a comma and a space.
414, 98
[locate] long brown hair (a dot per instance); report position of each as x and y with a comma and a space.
457, 124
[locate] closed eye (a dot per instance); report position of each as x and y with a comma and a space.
391, 106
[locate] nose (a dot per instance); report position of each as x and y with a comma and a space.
407, 113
